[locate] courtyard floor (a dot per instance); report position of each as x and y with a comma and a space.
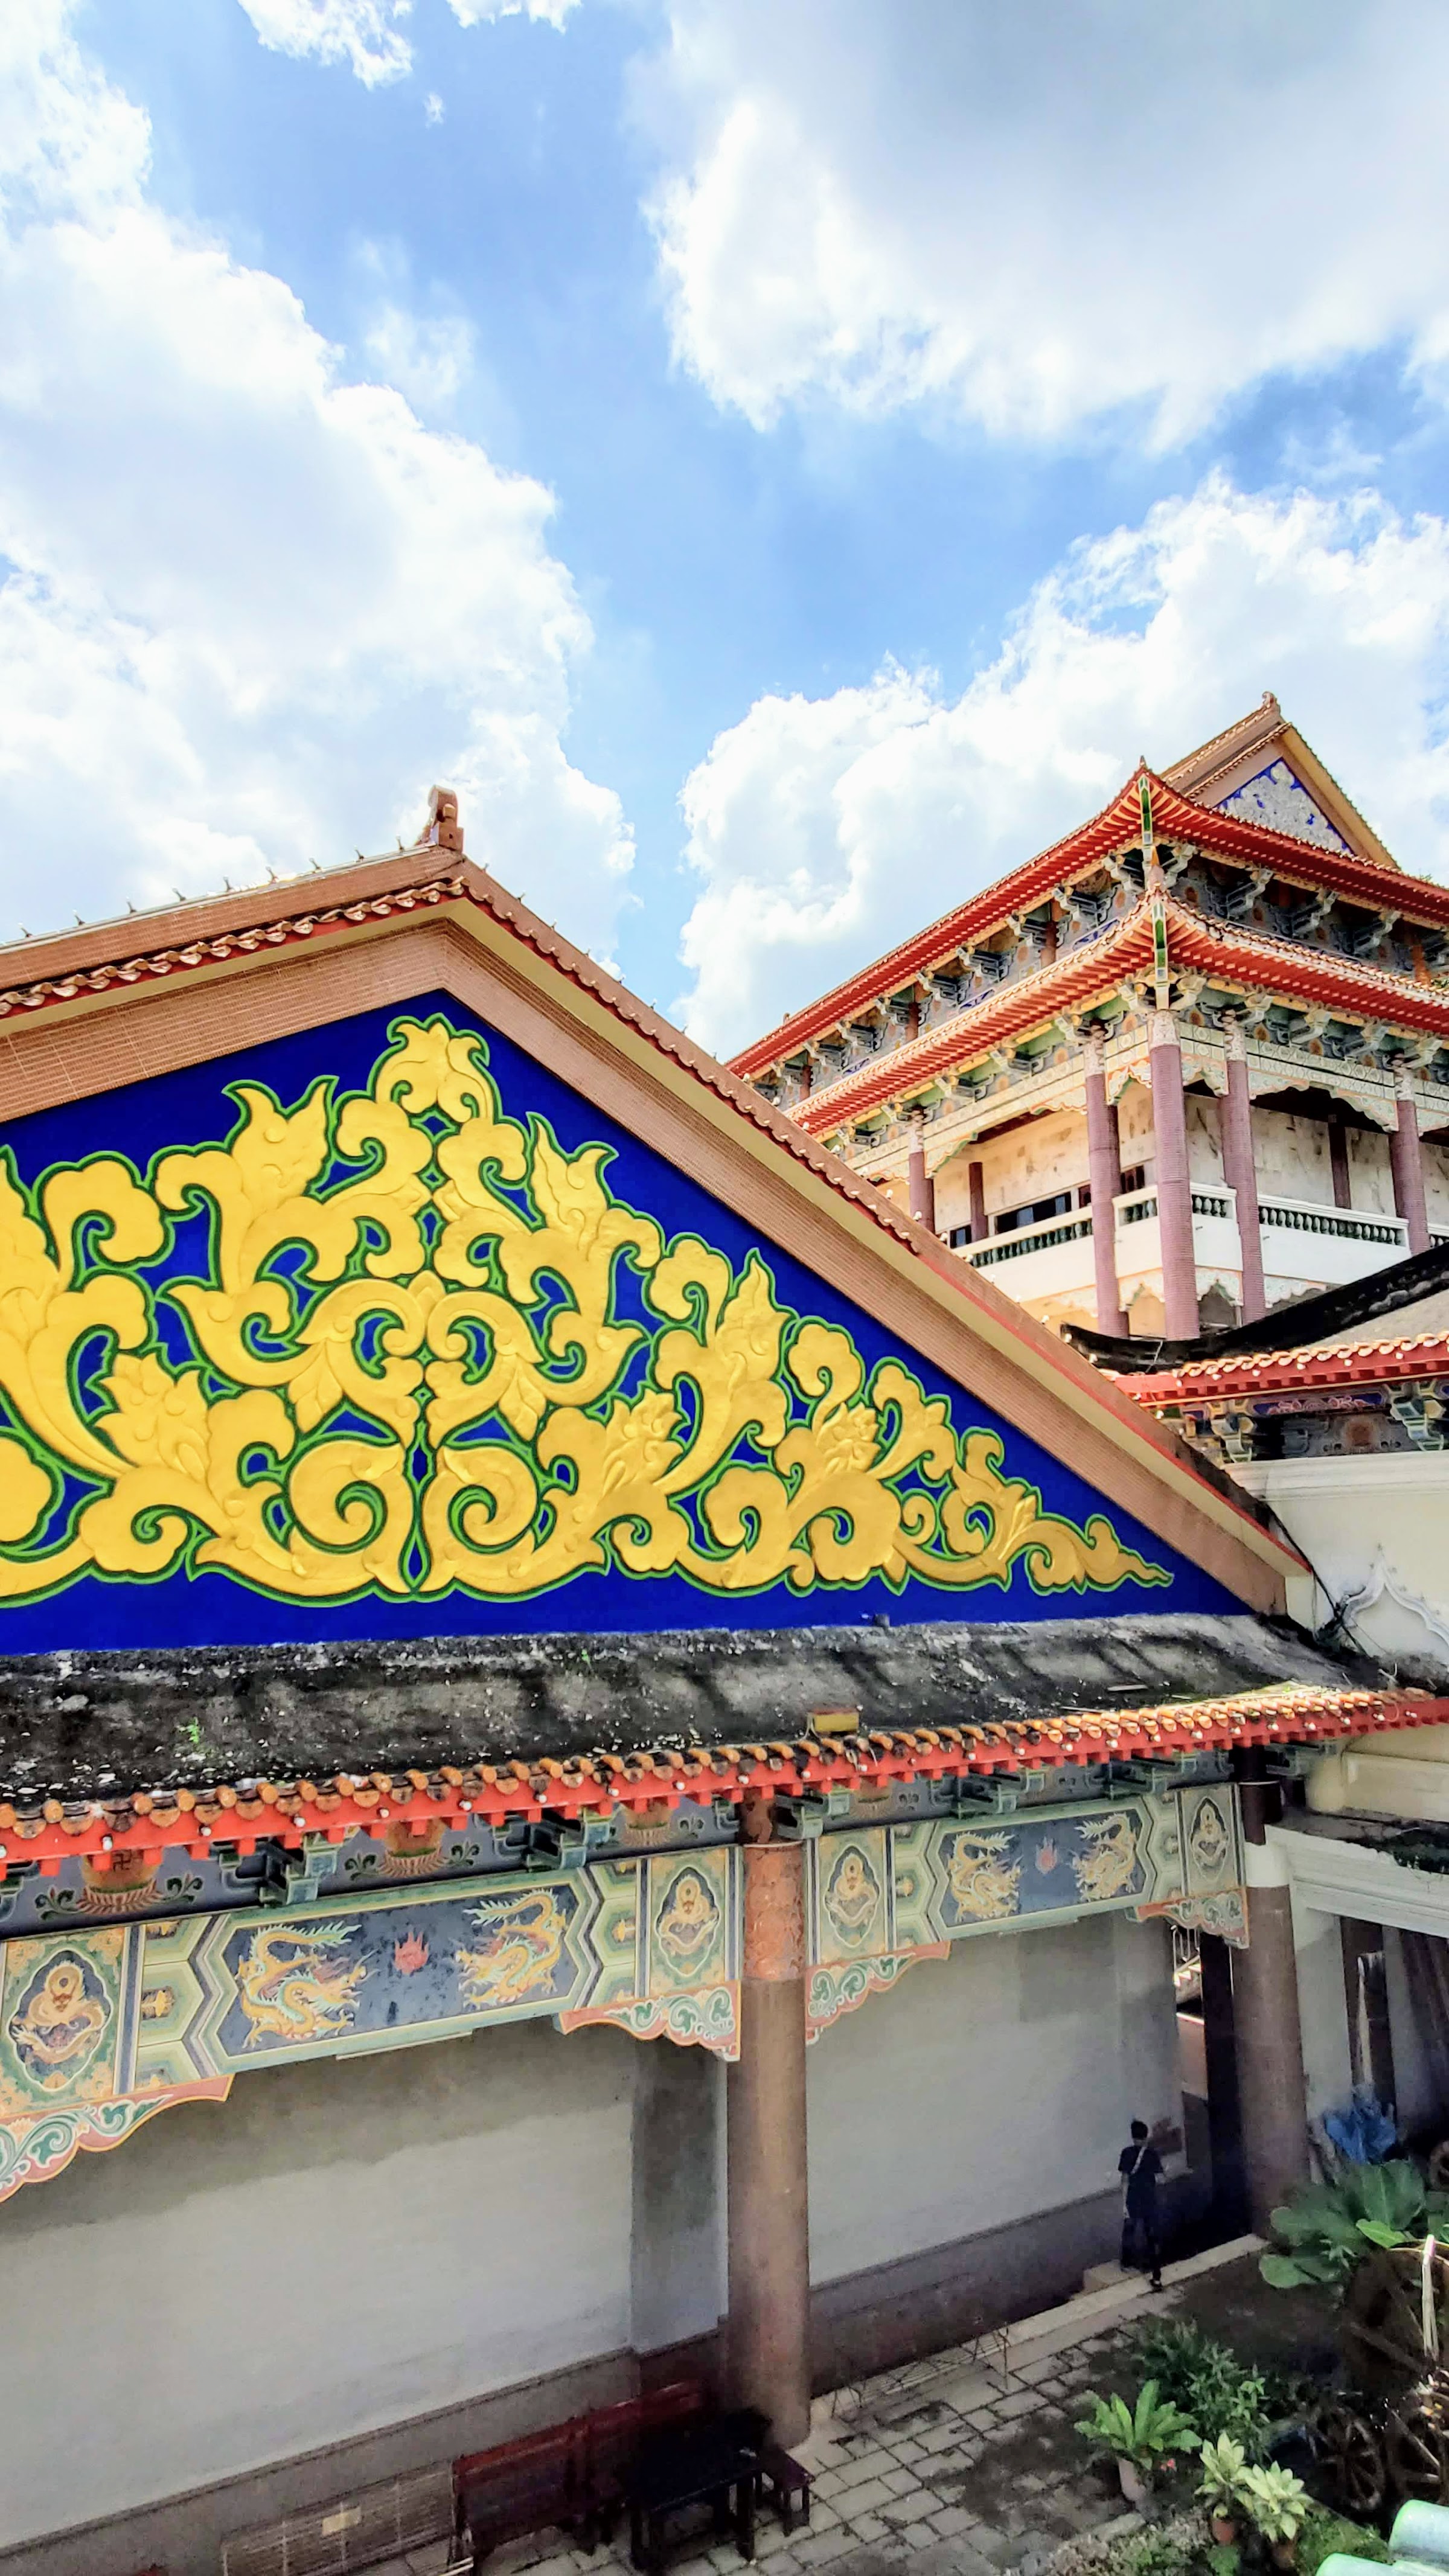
967, 2464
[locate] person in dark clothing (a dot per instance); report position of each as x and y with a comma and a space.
1140, 2166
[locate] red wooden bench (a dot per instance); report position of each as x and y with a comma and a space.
573, 2474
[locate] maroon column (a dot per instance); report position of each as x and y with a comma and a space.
769, 2204
976, 1183
1104, 1170
1174, 1188
1407, 1163
1241, 1176
1271, 2091
920, 1186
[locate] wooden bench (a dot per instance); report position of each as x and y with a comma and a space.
575, 2474
786, 2484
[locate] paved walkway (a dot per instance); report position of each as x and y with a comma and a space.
966, 2464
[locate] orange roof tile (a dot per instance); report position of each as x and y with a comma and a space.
247, 1812
1287, 1372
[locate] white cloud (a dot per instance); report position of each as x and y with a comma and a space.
252, 609
476, 13
825, 830
361, 33
1027, 217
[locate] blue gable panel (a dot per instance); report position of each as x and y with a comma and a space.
388, 1333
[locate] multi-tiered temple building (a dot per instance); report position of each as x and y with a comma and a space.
1189, 1062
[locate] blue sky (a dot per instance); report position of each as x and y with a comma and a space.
781, 462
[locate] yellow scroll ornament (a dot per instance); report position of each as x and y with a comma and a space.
415, 1370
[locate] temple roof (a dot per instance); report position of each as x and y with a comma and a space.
95, 1009
300, 1743
1355, 872
1297, 1326
1343, 1364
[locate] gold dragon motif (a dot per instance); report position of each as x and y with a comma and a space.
522, 1944
292, 1987
433, 1350
1107, 1866
983, 1877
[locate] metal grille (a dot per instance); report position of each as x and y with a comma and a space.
349, 2531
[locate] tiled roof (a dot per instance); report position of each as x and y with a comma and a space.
1175, 818
1281, 1372
247, 1812
471, 886
1257, 958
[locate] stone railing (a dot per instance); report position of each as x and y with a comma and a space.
1028, 1238
1302, 1216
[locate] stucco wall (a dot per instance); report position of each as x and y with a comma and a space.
987, 2087
341, 2245
1033, 1162
1291, 1155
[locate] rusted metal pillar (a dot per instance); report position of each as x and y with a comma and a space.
1225, 2127
1271, 2092
769, 2201
921, 1189
976, 1183
1241, 1175
1105, 1172
1173, 1184
1407, 1162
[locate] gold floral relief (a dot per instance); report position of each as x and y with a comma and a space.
433, 1349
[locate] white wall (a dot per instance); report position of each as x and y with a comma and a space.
986, 2087
1370, 1173
1372, 1528
1204, 1140
1033, 1162
339, 2246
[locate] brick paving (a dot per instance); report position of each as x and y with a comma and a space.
966, 2464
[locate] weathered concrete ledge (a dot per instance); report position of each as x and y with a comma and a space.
96, 1725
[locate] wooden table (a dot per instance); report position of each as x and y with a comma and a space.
712, 2464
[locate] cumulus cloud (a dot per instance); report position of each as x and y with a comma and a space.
824, 830
252, 609
1028, 217
364, 34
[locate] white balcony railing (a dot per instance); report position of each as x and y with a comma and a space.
1029, 1238
1344, 1225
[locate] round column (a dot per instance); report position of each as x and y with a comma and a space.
769, 2201
1271, 2093
1173, 1185
1104, 1169
921, 1189
1406, 1160
1240, 1174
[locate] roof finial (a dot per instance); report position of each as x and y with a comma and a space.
444, 831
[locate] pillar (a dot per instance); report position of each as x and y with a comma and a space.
1407, 1161
1271, 2093
1104, 1169
976, 1183
1173, 1185
920, 1186
1338, 1159
769, 2211
1240, 1173
1225, 2126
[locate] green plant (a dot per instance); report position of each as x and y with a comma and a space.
1328, 2535
1224, 2466
1324, 2231
1216, 2392
1224, 2558
1143, 2433
1276, 2500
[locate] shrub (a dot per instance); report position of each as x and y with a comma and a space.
1326, 2230
1325, 2535
1143, 2433
1224, 2472
1215, 2391
1276, 2500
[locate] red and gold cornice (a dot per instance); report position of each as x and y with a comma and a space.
1118, 827
244, 1813
1345, 1364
